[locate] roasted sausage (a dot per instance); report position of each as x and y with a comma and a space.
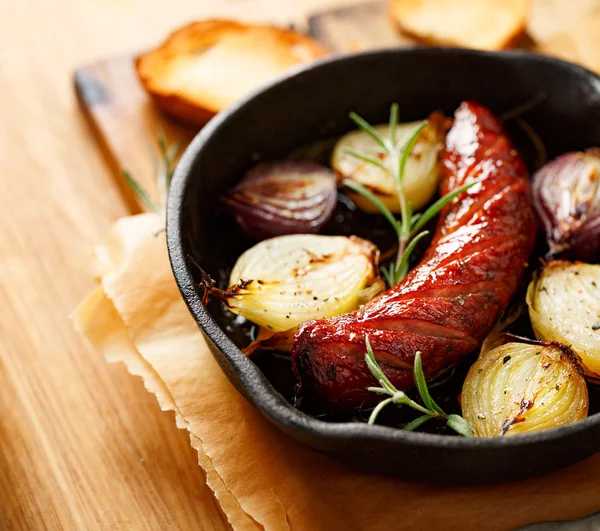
447, 305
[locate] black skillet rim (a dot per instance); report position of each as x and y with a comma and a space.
258, 388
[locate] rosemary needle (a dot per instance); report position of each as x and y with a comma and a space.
408, 227
165, 167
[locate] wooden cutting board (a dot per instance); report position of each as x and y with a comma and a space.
127, 123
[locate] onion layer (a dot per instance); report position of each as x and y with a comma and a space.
520, 386
282, 282
566, 196
422, 172
280, 198
564, 306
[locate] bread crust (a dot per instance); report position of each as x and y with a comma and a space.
182, 75
478, 24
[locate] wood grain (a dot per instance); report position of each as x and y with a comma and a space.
82, 445
126, 122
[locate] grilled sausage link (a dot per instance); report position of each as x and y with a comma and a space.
447, 305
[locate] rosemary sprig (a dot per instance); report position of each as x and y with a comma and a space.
430, 410
408, 227
140, 192
165, 167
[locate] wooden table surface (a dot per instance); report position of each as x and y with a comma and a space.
82, 444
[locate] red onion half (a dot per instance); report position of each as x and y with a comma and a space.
278, 198
566, 196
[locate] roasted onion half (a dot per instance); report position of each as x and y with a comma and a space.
422, 172
564, 306
285, 197
520, 386
566, 196
284, 281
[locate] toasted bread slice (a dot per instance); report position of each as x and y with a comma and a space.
579, 44
480, 24
204, 67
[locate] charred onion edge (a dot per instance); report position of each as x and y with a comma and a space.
500, 339
275, 340
372, 253
497, 340
208, 284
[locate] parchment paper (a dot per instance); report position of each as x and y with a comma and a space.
261, 478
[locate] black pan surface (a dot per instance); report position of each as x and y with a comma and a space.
309, 105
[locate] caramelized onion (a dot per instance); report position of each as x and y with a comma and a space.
284, 281
520, 386
566, 194
280, 198
564, 306
422, 171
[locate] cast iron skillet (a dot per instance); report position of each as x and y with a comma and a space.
312, 103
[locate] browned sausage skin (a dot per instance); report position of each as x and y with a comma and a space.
447, 304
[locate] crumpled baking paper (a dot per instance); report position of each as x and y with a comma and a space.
261, 478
